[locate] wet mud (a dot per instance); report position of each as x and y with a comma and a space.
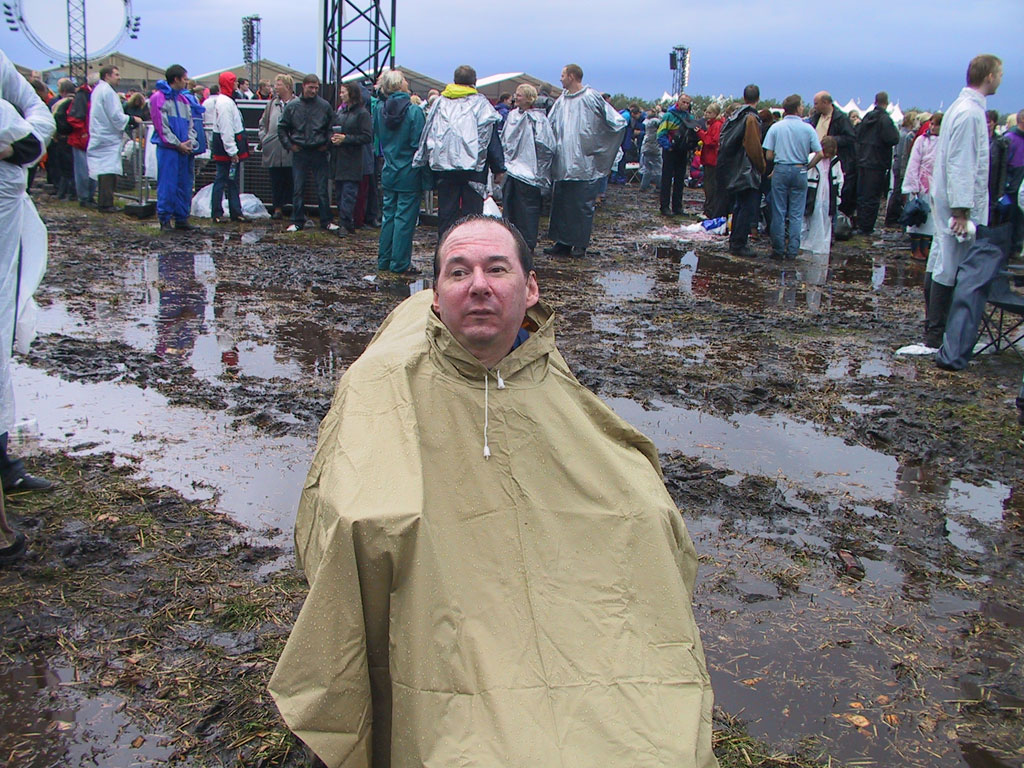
859, 517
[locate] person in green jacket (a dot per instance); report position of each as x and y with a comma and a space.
397, 125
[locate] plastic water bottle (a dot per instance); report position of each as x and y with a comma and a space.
710, 224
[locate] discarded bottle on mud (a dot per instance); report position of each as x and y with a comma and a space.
851, 564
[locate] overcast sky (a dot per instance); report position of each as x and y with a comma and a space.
918, 51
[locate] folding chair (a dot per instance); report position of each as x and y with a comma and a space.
1003, 320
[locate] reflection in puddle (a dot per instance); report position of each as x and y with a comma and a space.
799, 453
46, 721
198, 453
625, 285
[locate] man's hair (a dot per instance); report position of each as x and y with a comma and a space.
504, 97
242, 80
173, 72
634, 107
751, 94
214, 89
522, 249
882, 99
287, 80
992, 116
827, 97
65, 85
792, 103
464, 75
391, 82
981, 67
263, 83
529, 92
574, 71
1020, 117
310, 79
107, 71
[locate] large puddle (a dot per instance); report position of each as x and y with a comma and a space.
792, 660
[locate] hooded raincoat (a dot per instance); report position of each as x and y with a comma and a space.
107, 121
588, 132
960, 178
532, 609
26, 125
529, 145
457, 131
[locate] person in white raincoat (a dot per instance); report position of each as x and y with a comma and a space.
107, 121
588, 132
960, 185
529, 146
26, 127
827, 179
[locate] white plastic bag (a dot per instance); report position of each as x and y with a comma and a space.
491, 208
252, 207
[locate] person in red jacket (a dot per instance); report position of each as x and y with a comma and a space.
714, 197
78, 140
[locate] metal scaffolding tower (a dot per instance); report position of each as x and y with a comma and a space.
679, 63
251, 53
78, 65
358, 37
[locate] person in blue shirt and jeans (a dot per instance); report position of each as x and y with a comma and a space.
789, 143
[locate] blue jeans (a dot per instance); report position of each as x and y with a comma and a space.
789, 195
227, 176
85, 187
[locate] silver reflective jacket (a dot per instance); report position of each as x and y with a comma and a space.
456, 134
588, 132
529, 146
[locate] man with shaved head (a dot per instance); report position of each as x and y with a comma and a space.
876, 137
829, 120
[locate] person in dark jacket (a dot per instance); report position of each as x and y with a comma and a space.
305, 127
876, 137
740, 166
829, 120
60, 151
352, 130
998, 149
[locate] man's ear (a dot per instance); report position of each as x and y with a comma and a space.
532, 290
435, 304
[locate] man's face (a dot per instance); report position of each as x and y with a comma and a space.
179, 83
282, 90
243, 85
992, 81
482, 293
310, 90
566, 79
822, 106
114, 78
684, 103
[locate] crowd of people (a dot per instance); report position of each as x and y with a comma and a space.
803, 180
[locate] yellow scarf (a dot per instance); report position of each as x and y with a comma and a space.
453, 91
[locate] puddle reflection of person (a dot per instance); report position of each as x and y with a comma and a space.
182, 305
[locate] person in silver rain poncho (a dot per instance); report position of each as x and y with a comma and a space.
587, 133
529, 146
460, 142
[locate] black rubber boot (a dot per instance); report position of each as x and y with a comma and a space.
941, 296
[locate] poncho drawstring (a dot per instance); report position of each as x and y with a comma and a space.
501, 385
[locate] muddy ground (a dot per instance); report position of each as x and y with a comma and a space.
178, 381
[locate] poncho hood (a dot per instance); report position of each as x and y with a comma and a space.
165, 88
453, 91
227, 81
530, 609
395, 107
